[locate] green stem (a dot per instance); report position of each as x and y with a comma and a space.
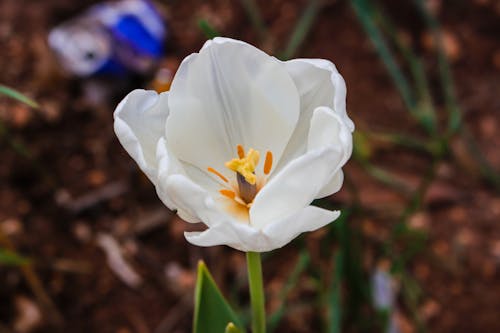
256, 292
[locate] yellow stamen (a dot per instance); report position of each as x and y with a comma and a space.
241, 151
228, 193
217, 173
268, 164
245, 166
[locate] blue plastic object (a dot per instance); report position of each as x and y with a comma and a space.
111, 38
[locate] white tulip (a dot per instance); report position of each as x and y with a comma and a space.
242, 142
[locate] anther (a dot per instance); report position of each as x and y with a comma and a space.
268, 164
217, 173
241, 151
245, 166
227, 193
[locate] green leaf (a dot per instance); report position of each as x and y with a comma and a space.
212, 313
11, 258
9, 92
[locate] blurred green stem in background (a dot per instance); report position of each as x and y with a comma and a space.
10, 258
33, 282
420, 109
301, 264
208, 30
335, 295
425, 111
16, 145
365, 13
452, 106
16, 95
454, 112
12, 93
257, 298
345, 273
418, 98
255, 17
302, 29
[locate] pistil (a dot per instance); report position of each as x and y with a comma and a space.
247, 191
244, 166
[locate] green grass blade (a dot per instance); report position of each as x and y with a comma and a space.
255, 17
352, 272
208, 30
364, 13
362, 153
301, 29
10, 258
12, 93
302, 263
17, 146
487, 171
402, 140
452, 105
425, 107
335, 297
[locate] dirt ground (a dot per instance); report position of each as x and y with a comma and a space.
77, 191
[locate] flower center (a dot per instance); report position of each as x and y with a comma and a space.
248, 183
244, 166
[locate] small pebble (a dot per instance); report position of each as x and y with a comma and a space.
458, 214
82, 232
430, 309
420, 221
28, 317
495, 250
466, 237
441, 248
489, 126
451, 44
96, 177
489, 269
180, 277
11, 227
20, 115
422, 271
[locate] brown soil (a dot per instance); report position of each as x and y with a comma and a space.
79, 183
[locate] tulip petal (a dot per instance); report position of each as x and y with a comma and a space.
169, 165
245, 238
328, 129
237, 236
333, 186
295, 186
319, 84
139, 124
309, 218
230, 93
193, 203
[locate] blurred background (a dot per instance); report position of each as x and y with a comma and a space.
86, 245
